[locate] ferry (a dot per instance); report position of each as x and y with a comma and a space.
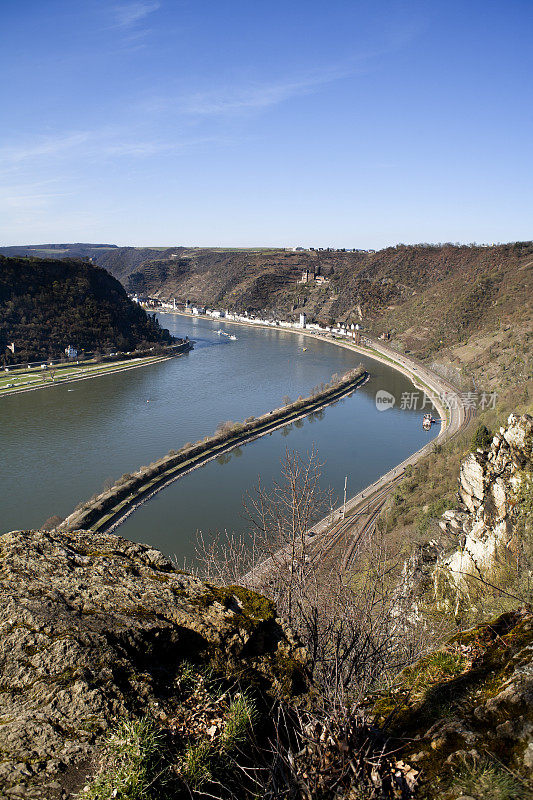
428, 421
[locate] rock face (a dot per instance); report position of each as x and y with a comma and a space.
489, 484
483, 532
93, 628
466, 708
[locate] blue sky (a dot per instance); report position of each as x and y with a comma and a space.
220, 122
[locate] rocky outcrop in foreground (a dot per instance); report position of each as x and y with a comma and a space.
95, 629
462, 717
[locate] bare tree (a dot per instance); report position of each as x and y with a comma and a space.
349, 621
281, 518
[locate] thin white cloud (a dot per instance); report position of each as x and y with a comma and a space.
239, 99
234, 100
231, 101
127, 15
50, 146
91, 146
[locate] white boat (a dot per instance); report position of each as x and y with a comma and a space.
233, 338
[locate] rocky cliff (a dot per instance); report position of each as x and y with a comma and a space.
494, 485
485, 548
95, 629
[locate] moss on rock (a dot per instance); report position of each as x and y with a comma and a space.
472, 696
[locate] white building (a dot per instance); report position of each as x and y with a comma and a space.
303, 319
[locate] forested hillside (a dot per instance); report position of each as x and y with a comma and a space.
428, 297
48, 304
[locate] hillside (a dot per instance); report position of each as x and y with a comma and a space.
128, 677
468, 308
72, 250
357, 284
426, 295
47, 304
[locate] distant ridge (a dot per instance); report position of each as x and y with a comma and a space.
67, 250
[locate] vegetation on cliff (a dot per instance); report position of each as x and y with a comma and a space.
462, 715
48, 304
103, 631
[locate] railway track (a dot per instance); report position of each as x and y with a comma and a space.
364, 519
349, 531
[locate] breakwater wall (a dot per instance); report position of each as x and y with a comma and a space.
106, 510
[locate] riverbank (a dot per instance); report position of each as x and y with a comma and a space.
420, 376
78, 372
110, 508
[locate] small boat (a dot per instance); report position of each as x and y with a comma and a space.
304, 349
233, 338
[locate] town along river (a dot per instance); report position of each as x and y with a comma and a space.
62, 444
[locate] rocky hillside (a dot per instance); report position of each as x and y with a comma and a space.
427, 296
483, 557
96, 629
461, 718
122, 674
47, 304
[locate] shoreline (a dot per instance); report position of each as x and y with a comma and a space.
102, 516
101, 373
369, 352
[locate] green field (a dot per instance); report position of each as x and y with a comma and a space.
37, 378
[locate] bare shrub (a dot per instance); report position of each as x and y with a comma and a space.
225, 428
52, 523
108, 484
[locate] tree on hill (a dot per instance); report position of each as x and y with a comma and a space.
482, 438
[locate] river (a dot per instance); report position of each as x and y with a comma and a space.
62, 444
